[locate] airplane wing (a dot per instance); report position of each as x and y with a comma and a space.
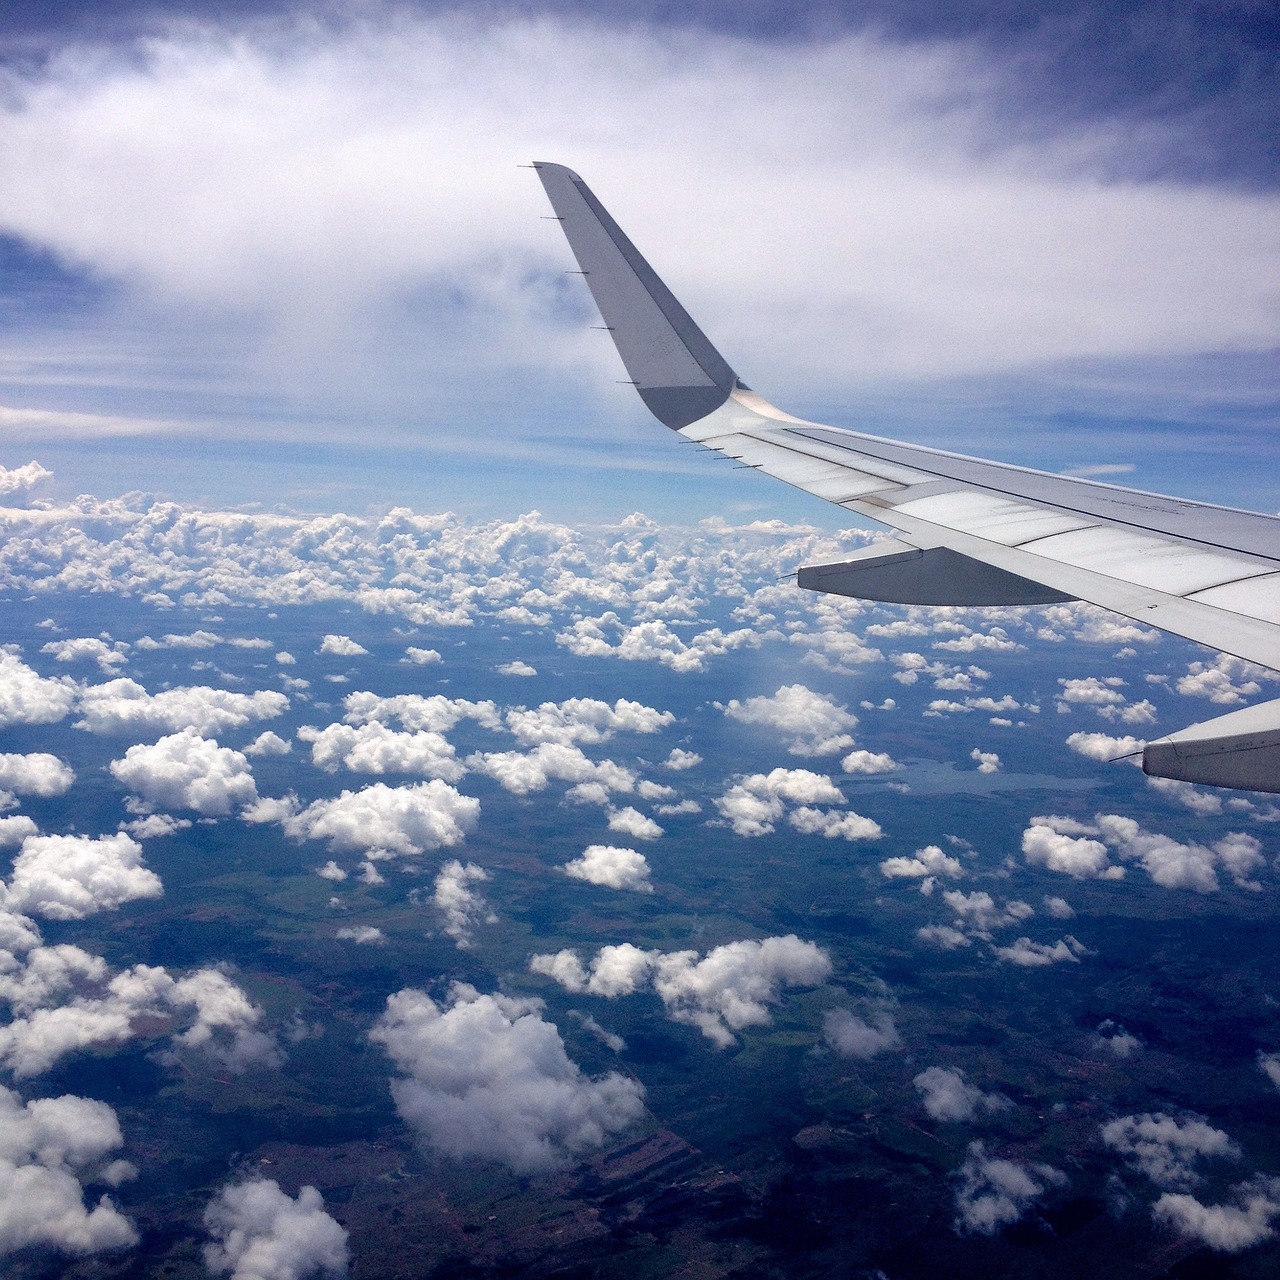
972, 532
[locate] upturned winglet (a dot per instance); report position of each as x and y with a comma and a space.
680, 376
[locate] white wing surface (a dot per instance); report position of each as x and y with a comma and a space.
973, 532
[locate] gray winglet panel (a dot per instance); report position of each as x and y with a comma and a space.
680, 376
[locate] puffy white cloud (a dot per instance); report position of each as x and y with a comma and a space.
929, 861
268, 744
155, 824
374, 748
1269, 1065
1045, 844
1186, 794
462, 907
834, 824
813, 724
421, 657
14, 829
949, 1097
432, 712
37, 774
487, 1076
1225, 680
980, 914
987, 761
342, 646
260, 1233
331, 871
1104, 747
855, 1037
403, 820
124, 707
362, 934
524, 772
516, 668
758, 800
1093, 692
868, 762
585, 720
1115, 1040
187, 771
944, 936
71, 877
612, 867
652, 641
1228, 1228
728, 990
992, 1193
1036, 955
16, 480
28, 698
46, 1148
109, 657
1059, 908
1166, 1150
1175, 865
629, 821
65, 1000
679, 759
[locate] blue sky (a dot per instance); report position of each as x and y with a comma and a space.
269, 255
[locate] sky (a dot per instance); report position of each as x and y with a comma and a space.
284, 254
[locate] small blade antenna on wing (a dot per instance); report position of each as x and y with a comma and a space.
680, 376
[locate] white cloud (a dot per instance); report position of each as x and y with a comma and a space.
929, 861
362, 934
1269, 1065
421, 657
462, 907
516, 668
1046, 844
1036, 955
727, 990
342, 646
47, 1147
374, 748
524, 772
155, 824
586, 720
834, 824
71, 877
14, 829
679, 759
260, 1233
1115, 1040
854, 1037
868, 762
1226, 680
987, 761
37, 774
949, 1097
1166, 1150
403, 820
758, 800
269, 744
109, 657
487, 1076
28, 698
16, 480
813, 724
187, 771
1104, 747
992, 1193
612, 867
629, 821
1228, 1228
124, 707
432, 712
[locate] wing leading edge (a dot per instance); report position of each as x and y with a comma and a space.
972, 532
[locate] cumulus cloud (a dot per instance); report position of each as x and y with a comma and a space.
109, 657
1228, 1228
124, 707
612, 867
1112, 1038
992, 1193
812, 724
375, 748
421, 657
929, 861
679, 759
36, 774
1104, 747
342, 646
29, 698
460, 905
586, 720
48, 1149
260, 1233
726, 991
14, 481
949, 1097
629, 821
71, 877
987, 761
1269, 1065
187, 771
362, 934
1165, 1149
854, 1037
1036, 955
868, 762
752, 805
516, 668
488, 1076
1050, 842
402, 820
269, 744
